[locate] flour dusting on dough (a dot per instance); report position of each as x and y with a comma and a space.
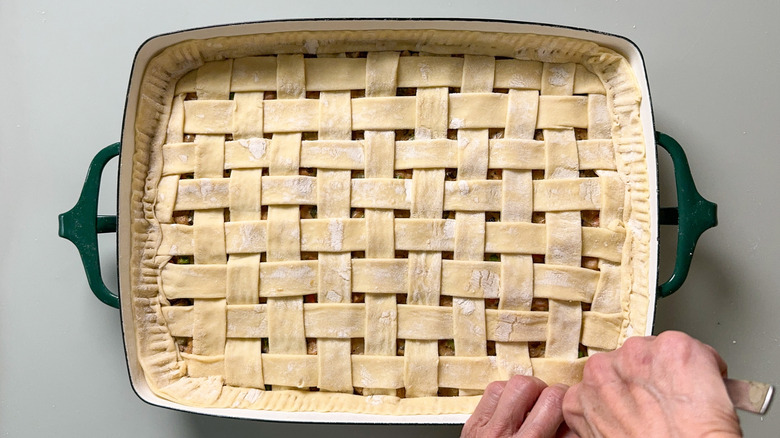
336, 233
256, 147
249, 239
558, 76
463, 187
465, 306
387, 317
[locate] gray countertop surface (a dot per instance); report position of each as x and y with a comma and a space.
64, 66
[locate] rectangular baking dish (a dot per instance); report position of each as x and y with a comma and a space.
81, 224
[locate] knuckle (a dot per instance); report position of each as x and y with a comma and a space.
635, 354
676, 345
674, 338
491, 430
633, 344
597, 369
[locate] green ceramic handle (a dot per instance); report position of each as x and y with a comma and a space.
81, 225
693, 215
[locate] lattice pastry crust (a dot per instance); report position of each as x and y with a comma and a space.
384, 221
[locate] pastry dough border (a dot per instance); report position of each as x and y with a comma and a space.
164, 371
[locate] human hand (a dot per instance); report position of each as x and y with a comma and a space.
522, 407
665, 386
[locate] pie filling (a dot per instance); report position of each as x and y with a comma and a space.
386, 221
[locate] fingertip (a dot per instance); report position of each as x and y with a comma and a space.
521, 381
524, 388
518, 397
557, 391
546, 416
554, 394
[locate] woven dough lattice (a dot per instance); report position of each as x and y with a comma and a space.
389, 223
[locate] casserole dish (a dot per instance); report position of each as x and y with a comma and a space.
261, 223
